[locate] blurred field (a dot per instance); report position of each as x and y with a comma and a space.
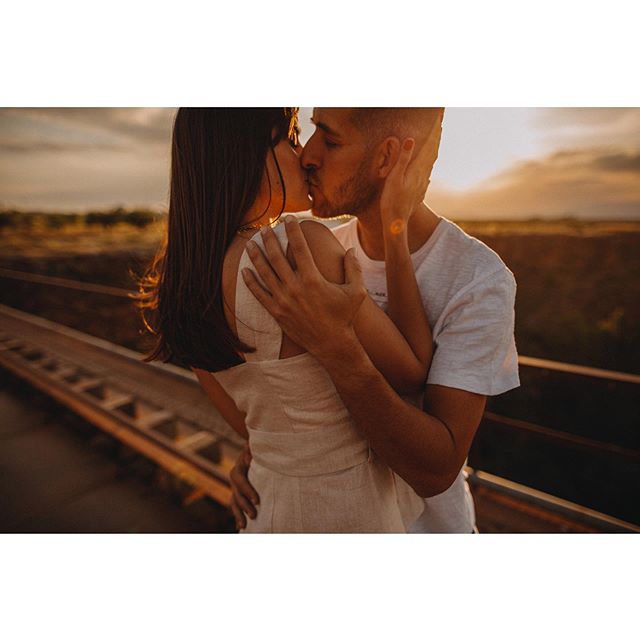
560, 227
578, 296
39, 235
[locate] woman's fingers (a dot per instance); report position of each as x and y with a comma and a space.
417, 174
427, 154
397, 196
406, 152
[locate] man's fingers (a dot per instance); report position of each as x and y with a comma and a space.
245, 458
299, 246
275, 255
238, 516
242, 487
353, 272
262, 266
259, 292
243, 493
239, 478
244, 505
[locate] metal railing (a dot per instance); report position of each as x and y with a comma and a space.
89, 287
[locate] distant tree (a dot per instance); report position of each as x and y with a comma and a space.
141, 218
9, 219
56, 220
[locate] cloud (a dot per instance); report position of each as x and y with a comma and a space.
67, 127
575, 182
78, 181
583, 116
623, 162
590, 127
79, 158
43, 146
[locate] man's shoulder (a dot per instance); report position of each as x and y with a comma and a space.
471, 256
342, 228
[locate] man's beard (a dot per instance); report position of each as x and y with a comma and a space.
352, 197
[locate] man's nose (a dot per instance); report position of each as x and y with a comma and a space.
309, 159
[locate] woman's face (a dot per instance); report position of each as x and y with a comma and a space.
297, 189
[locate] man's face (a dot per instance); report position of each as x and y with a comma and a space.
338, 166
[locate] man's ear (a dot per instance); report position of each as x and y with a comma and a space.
387, 155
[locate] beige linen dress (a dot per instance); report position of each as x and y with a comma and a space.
313, 471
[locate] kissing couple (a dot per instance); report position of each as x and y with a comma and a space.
354, 359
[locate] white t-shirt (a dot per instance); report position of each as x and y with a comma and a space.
469, 296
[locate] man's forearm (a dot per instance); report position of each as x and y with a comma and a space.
417, 446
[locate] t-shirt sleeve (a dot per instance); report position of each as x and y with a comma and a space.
474, 348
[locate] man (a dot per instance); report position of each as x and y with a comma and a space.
468, 294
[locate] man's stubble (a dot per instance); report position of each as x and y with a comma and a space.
353, 197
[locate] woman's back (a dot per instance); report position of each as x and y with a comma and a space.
312, 469
277, 365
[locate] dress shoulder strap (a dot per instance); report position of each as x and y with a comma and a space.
255, 326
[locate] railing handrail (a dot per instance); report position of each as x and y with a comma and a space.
90, 287
577, 369
550, 502
523, 361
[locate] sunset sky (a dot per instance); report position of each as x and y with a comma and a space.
493, 163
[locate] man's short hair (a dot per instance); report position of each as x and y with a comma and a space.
378, 123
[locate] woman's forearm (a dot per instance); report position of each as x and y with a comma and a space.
405, 307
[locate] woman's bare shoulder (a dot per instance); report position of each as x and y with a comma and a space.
326, 250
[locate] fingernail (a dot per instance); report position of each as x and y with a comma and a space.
265, 230
288, 220
251, 245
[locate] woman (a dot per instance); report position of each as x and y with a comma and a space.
234, 172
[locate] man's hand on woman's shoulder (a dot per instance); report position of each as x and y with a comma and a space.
311, 303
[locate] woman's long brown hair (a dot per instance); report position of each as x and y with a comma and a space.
218, 160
